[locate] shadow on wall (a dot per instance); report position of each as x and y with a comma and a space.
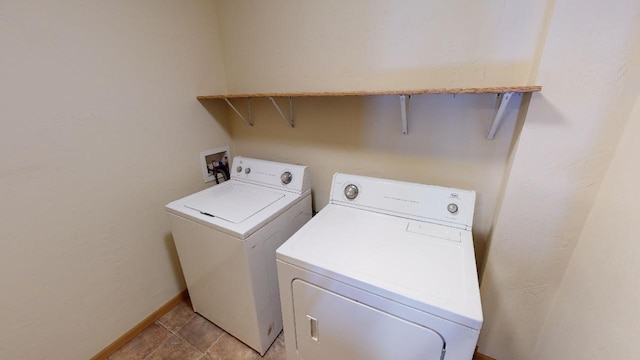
440, 126
218, 111
526, 269
521, 116
555, 202
445, 145
173, 257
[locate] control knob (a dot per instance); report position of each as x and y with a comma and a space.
286, 177
247, 170
453, 208
239, 168
351, 191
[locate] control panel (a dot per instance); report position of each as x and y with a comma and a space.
436, 204
270, 173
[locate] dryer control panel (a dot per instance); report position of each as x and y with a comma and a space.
273, 174
434, 204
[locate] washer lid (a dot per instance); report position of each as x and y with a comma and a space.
235, 202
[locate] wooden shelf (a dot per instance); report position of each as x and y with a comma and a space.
503, 93
485, 90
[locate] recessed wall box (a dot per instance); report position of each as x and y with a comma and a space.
215, 164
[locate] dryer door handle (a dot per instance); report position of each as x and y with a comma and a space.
313, 328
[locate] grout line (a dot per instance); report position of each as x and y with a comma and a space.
167, 339
195, 314
185, 340
205, 352
193, 347
186, 322
218, 339
188, 343
157, 347
181, 326
166, 328
175, 333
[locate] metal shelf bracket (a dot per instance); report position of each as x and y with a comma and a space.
250, 120
497, 120
405, 112
290, 119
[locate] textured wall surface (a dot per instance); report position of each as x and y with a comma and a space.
590, 71
99, 129
288, 45
581, 52
595, 314
445, 146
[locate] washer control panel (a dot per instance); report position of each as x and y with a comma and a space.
270, 173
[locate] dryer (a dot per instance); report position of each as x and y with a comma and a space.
385, 271
226, 237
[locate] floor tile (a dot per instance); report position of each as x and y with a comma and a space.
277, 351
178, 316
143, 344
175, 348
229, 348
200, 333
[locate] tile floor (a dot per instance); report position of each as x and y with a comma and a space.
182, 334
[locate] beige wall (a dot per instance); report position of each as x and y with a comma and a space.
335, 45
583, 55
445, 146
590, 72
595, 314
288, 45
99, 129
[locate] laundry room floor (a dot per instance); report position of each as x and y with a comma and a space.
181, 334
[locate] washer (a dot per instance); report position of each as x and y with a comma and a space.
227, 236
385, 271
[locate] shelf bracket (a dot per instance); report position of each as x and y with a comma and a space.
275, 104
405, 112
250, 120
504, 101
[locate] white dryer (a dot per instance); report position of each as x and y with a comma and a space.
227, 236
385, 271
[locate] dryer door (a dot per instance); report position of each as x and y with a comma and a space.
331, 326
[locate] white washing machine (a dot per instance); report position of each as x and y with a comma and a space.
385, 271
227, 236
